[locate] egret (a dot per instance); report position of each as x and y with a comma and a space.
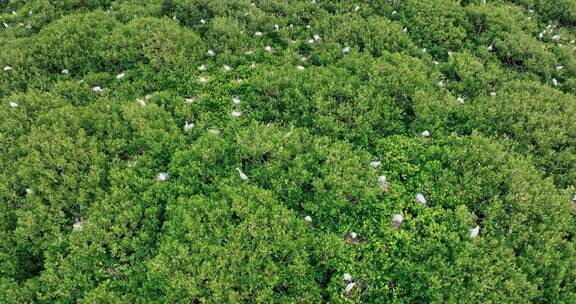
300, 68
7, 68
382, 182
436, 62
202, 68
65, 71
235, 100
268, 49
426, 134
13, 104
214, 131
311, 40
190, 99
188, 126
441, 83
474, 231
420, 199
97, 89
202, 79
276, 27
308, 219
347, 277
397, 220
243, 176
346, 50
202, 21
556, 37
460, 100
349, 287
394, 13
424, 50
490, 48
492, 94
120, 76
249, 52
227, 68
316, 37
258, 34
357, 8
303, 58
236, 113
211, 53
353, 235
560, 67
555, 82
141, 102
405, 30
162, 176
375, 164
253, 65
28, 191
77, 225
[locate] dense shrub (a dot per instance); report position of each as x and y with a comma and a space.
227, 151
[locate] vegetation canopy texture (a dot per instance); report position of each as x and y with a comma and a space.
281, 151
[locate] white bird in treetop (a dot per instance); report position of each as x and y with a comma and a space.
308, 219
120, 76
235, 100
258, 34
420, 199
555, 82
202, 79
97, 89
65, 71
236, 113
426, 133
211, 53
346, 50
375, 164
188, 126
227, 68
162, 176
383, 183
77, 225
243, 176
300, 68
202, 68
349, 287
474, 231
7, 68
347, 277
353, 235
12, 104
397, 219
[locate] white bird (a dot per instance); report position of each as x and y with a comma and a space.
214, 131
211, 53
268, 48
97, 89
311, 40
276, 27
236, 113
28, 191
253, 65
441, 83
555, 82
308, 219
420, 199
13, 104
316, 37
162, 176
560, 67
490, 48
426, 133
258, 34
120, 76
349, 287
436, 62
556, 37
450, 54
141, 102
300, 68
235, 100
190, 99
346, 50
405, 30
202, 79
474, 231
243, 176
7, 68
357, 8
397, 219
188, 126
353, 235
249, 52
574, 199
541, 35
394, 12
202, 21
6, 25
460, 100
65, 71
492, 94
424, 50
347, 277
383, 183
375, 164
202, 68
227, 68
77, 225
303, 58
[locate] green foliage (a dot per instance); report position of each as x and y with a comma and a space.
107, 197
